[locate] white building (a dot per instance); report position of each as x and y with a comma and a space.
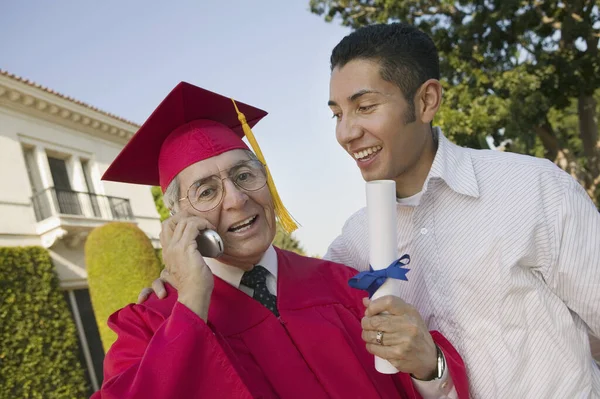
53, 152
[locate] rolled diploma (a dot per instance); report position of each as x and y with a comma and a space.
383, 243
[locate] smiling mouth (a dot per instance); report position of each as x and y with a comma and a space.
243, 225
367, 154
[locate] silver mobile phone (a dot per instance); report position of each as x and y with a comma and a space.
210, 244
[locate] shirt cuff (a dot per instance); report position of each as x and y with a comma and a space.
442, 388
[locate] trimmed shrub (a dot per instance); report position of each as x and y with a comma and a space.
120, 262
38, 338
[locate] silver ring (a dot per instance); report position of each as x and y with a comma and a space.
379, 337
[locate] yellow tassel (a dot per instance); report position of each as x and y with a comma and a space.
287, 221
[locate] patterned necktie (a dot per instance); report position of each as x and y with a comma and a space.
257, 280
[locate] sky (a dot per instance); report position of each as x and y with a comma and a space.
125, 56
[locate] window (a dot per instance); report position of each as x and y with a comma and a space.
68, 200
39, 197
65, 182
91, 352
87, 175
32, 170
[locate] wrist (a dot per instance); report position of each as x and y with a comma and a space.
435, 371
197, 303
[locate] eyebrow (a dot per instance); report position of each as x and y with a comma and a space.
356, 96
200, 181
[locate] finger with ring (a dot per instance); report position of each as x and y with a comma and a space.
379, 337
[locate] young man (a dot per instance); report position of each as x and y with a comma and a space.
505, 248
258, 322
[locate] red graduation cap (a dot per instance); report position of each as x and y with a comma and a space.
191, 124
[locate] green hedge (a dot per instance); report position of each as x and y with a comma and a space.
120, 262
158, 253
38, 339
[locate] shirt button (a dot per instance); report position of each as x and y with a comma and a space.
423, 231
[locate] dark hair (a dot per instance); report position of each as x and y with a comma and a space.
407, 56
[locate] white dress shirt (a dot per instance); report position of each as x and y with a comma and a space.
233, 275
505, 262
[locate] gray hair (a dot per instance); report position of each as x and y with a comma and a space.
172, 193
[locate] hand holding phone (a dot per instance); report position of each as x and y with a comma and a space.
190, 273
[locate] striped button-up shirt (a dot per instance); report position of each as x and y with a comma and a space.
505, 262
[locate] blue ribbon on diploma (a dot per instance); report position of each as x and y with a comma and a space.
371, 280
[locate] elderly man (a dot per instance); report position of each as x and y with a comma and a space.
258, 322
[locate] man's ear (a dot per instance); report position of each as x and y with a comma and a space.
428, 100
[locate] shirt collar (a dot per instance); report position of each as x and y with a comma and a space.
233, 275
453, 164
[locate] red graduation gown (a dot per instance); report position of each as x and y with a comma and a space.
313, 350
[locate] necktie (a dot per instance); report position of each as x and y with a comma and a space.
257, 280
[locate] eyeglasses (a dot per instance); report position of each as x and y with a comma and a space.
206, 194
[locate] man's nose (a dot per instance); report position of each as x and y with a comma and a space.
233, 196
348, 130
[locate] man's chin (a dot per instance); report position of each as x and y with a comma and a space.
250, 248
373, 175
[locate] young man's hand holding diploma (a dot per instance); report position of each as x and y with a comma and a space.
406, 342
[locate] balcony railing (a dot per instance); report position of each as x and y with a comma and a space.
53, 201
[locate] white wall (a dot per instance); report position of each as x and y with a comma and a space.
19, 240
16, 213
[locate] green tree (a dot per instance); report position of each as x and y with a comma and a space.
282, 239
159, 203
287, 241
524, 70
164, 213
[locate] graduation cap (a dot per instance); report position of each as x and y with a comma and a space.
191, 124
